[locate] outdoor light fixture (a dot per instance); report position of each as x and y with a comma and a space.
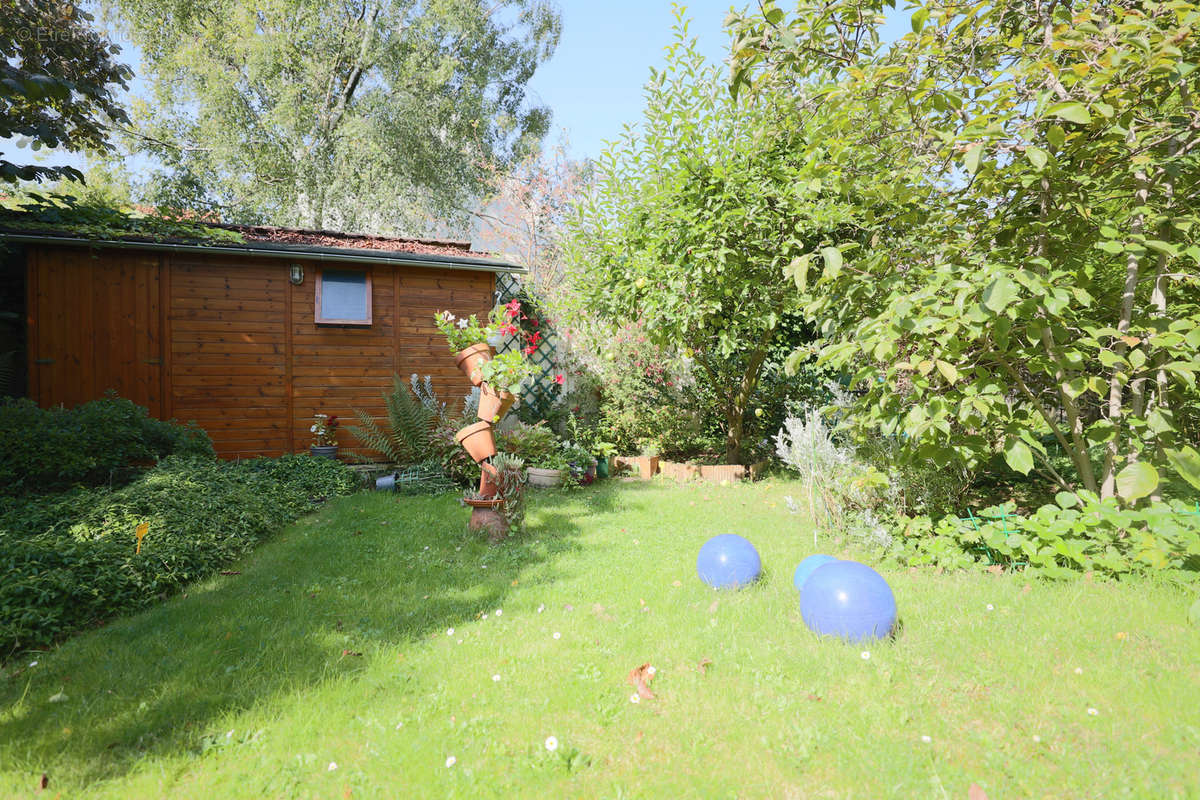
297, 274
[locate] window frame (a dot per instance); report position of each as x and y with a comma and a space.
317, 309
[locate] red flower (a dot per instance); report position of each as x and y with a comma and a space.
530, 350
508, 330
535, 337
558, 379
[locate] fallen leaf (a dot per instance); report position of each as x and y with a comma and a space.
713, 608
995, 569
44, 782
1026, 589
976, 792
350, 653
640, 677
816, 698
702, 665
677, 583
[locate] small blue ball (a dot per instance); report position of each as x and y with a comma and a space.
807, 567
848, 600
728, 561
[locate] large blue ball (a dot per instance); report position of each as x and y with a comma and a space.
807, 567
848, 600
727, 562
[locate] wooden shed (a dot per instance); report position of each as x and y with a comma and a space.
250, 340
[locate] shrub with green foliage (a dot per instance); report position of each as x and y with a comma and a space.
1060, 539
69, 561
52, 449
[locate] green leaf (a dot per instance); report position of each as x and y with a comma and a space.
1136, 481
1071, 111
1037, 156
1109, 246
999, 294
833, 261
1186, 462
971, 159
918, 19
798, 270
774, 16
1066, 499
948, 370
1018, 455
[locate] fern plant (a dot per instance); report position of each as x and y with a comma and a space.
408, 435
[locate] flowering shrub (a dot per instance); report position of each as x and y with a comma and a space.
463, 332
324, 429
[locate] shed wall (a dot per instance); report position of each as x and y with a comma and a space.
243, 355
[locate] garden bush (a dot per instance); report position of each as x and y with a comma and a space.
97, 442
69, 561
1078, 533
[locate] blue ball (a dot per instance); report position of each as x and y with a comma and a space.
727, 562
807, 567
848, 600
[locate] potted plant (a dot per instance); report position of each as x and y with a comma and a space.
468, 341
505, 511
502, 379
605, 451
580, 464
324, 431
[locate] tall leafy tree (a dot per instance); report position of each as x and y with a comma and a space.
1047, 296
694, 221
57, 84
373, 115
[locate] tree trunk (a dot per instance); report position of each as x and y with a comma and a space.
1116, 386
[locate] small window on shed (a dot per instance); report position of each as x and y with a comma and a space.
343, 297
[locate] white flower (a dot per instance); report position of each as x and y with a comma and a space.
557, 635
496, 677
33, 663
484, 616
332, 766
633, 698
399, 725
451, 761
1037, 739
866, 656
651, 670
926, 739
541, 608
462, 323
991, 607
499, 611
313, 429
1092, 712
229, 735
1079, 670
551, 743
449, 631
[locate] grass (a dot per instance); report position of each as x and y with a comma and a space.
252, 685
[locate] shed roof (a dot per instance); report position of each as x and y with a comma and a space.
269, 241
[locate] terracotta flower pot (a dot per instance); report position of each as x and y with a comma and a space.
492, 406
489, 480
477, 440
468, 361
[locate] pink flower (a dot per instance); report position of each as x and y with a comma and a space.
530, 350
558, 379
514, 306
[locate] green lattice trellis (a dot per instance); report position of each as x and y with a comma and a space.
541, 391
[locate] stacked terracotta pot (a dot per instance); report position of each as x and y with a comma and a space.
478, 439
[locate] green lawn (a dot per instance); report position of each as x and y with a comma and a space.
328, 668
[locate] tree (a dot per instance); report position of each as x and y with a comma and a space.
694, 222
1046, 297
374, 115
58, 79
